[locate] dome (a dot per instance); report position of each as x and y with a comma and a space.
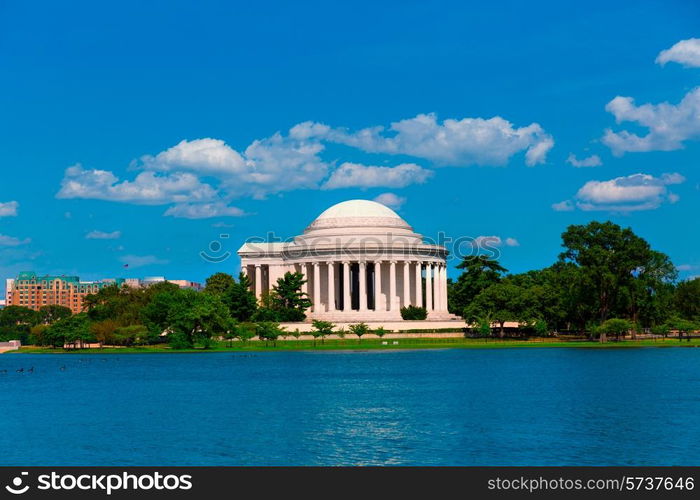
358, 214
358, 208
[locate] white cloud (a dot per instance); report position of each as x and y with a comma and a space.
280, 163
590, 161
141, 260
687, 267
199, 177
669, 125
625, 194
366, 176
206, 156
102, 235
9, 209
487, 241
390, 200
494, 241
147, 188
685, 52
563, 206
469, 141
11, 241
203, 210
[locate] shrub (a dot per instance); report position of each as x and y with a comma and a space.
266, 314
380, 332
321, 329
269, 331
359, 329
414, 313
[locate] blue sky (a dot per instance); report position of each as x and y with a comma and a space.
281, 108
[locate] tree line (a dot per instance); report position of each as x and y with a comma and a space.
606, 280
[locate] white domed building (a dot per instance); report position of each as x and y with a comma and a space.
362, 263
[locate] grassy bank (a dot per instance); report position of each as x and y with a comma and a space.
355, 344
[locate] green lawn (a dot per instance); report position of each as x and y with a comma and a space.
355, 344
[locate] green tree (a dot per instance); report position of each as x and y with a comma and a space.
321, 329
683, 326
686, 299
157, 312
37, 335
18, 315
478, 273
52, 313
133, 335
16, 322
606, 256
74, 330
197, 317
359, 329
241, 300
502, 302
245, 331
614, 326
219, 284
104, 331
647, 297
289, 299
269, 331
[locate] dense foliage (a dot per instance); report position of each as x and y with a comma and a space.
413, 313
604, 272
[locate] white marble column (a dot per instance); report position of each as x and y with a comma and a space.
244, 270
406, 284
347, 301
437, 285
378, 302
258, 281
429, 286
419, 285
331, 285
303, 269
392, 285
444, 288
317, 287
362, 269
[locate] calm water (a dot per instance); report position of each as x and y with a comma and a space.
492, 407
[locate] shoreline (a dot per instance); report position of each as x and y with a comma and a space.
371, 344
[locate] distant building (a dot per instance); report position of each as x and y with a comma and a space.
34, 291
187, 284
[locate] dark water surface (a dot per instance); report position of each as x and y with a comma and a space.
473, 407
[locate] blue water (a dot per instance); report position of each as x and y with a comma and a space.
470, 407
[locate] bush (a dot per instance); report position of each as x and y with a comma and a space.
380, 332
269, 331
321, 329
15, 332
292, 315
359, 329
263, 314
414, 313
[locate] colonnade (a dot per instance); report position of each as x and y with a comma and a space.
362, 285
